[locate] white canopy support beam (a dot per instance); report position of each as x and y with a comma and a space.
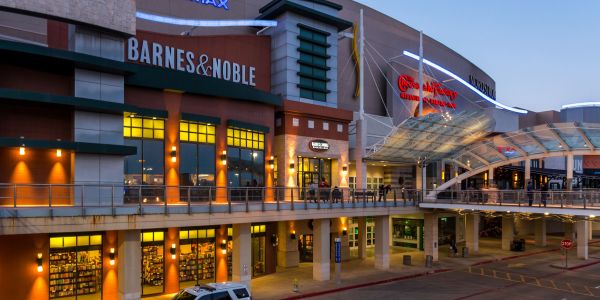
587, 140
557, 136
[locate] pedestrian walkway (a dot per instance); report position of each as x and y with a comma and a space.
280, 285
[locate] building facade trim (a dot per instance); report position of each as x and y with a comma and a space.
77, 147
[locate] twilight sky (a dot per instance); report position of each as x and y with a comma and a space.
541, 53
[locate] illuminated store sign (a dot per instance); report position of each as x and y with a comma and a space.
215, 3
482, 86
156, 54
406, 83
318, 145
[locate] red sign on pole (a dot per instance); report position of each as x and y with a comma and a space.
566, 244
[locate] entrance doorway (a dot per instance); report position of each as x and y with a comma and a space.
305, 247
313, 170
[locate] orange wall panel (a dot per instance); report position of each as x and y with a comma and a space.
19, 278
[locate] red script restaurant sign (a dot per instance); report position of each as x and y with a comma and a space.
440, 96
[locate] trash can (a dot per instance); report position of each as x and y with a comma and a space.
465, 251
428, 261
406, 260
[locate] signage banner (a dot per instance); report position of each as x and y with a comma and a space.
438, 94
318, 145
338, 250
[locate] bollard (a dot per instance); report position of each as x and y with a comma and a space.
428, 261
406, 260
295, 284
465, 251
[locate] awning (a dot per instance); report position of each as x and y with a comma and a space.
432, 137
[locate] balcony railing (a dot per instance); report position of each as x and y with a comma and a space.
579, 199
53, 200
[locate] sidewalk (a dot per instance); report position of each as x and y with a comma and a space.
355, 272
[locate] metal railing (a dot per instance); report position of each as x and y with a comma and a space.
23, 200
581, 199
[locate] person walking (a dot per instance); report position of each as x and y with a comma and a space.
544, 193
530, 192
381, 192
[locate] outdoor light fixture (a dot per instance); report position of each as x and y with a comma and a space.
345, 231
224, 247
174, 154
293, 235
58, 153
173, 251
592, 216
272, 163
292, 166
345, 168
224, 158
546, 213
111, 256
40, 267
22, 150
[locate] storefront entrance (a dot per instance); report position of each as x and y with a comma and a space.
313, 170
305, 247
197, 256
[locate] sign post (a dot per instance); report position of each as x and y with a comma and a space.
566, 244
338, 260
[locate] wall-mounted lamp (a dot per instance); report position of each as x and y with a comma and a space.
293, 235
345, 231
292, 166
22, 150
224, 158
345, 168
58, 153
173, 154
272, 162
224, 247
173, 251
40, 266
111, 256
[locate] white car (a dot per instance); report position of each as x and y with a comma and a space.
215, 291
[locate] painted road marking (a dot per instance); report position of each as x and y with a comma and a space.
534, 281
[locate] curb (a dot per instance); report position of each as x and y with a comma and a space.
355, 286
576, 267
512, 257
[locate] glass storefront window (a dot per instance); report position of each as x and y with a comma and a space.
153, 262
75, 267
407, 233
313, 170
197, 248
245, 158
197, 160
146, 167
258, 249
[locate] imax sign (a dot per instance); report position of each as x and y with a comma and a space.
215, 3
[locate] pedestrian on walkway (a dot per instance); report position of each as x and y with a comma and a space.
544, 193
381, 192
530, 192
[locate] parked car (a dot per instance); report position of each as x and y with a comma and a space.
215, 291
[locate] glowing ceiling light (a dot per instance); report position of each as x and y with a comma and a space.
203, 23
581, 104
484, 96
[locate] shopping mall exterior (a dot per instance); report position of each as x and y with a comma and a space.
170, 155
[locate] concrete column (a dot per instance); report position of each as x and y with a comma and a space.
321, 245
472, 232
382, 242
418, 178
540, 233
583, 228
569, 181
242, 253
491, 182
508, 231
129, 268
361, 167
431, 235
591, 237
362, 237
527, 173
287, 250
